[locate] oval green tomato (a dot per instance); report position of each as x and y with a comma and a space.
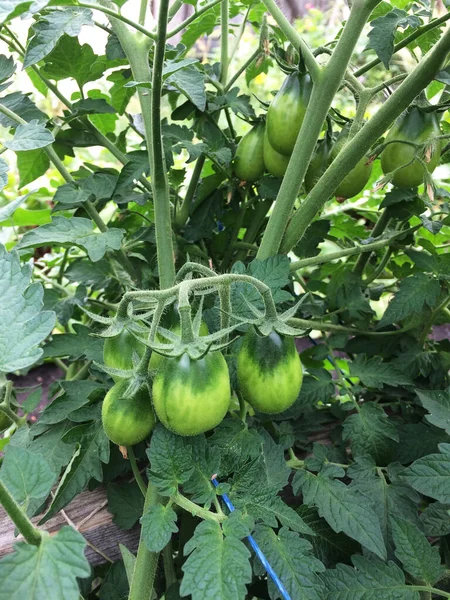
269, 372
249, 159
417, 127
276, 163
156, 359
127, 419
192, 396
287, 111
357, 179
118, 351
319, 163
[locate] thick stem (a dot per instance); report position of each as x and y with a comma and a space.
30, 533
319, 104
378, 229
346, 160
169, 567
224, 26
146, 562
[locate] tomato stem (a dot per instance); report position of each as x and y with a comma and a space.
136, 472
31, 534
196, 510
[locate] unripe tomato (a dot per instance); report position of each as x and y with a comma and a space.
127, 419
413, 126
249, 159
118, 351
192, 396
358, 177
287, 111
156, 359
276, 163
319, 163
269, 371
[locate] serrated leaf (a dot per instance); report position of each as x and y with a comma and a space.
76, 345
10, 208
50, 28
31, 136
437, 403
22, 106
430, 476
75, 395
52, 448
7, 66
70, 59
170, 463
4, 168
343, 509
237, 444
93, 450
205, 463
413, 295
371, 432
382, 34
190, 81
23, 326
368, 579
74, 231
220, 563
31, 164
290, 557
435, 519
412, 548
375, 373
27, 476
158, 524
49, 570
125, 503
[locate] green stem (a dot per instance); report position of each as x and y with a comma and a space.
135, 469
322, 96
260, 213
224, 26
183, 213
192, 18
146, 562
196, 510
175, 8
407, 40
435, 591
378, 229
357, 148
169, 567
30, 533
142, 12
256, 54
379, 270
295, 38
62, 266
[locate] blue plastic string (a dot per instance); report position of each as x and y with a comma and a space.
251, 540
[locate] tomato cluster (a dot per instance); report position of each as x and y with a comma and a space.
193, 396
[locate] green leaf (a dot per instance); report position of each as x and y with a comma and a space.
205, 462
75, 345
437, 403
190, 81
92, 106
170, 461
51, 28
71, 194
31, 164
10, 208
28, 477
291, 558
115, 585
368, 579
314, 235
51, 446
87, 464
23, 326
203, 26
158, 524
382, 34
75, 231
237, 444
412, 548
33, 400
49, 570
343, 509
413, 295
435, 519
23, 107
430, 476
375, 373
217, 567
75, 395
125, 503
7, 66
4, 168
31, 136
408, 450
70, 59
371, 432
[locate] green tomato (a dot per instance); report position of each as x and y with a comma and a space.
287, 111
358, 177
118, 351
127, 419
269, 371
249, 159
319, 163
417, 127
157, 359
192, 396
276, 163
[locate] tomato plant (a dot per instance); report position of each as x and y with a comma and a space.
224, 300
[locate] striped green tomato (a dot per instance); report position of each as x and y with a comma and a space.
156, 359
192, 396
269, 371
118, 351
127, 419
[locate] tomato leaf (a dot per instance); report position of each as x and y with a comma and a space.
126, 504
437, 403
382, 34
430, 475
158, 524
